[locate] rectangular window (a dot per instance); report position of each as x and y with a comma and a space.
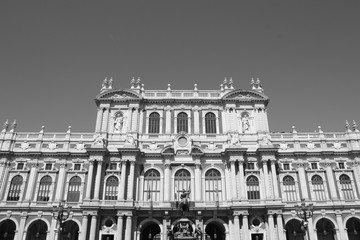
20, 166
286, 166
113, 166
314, 166
251, 166
341, 165
77, 166
48, 166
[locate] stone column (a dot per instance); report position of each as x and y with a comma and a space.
271, 225
99, 119
280, 227
141, 121
311, 230
228, 184
274, 179
233, 179
242, 180
93, 227
98, 180
303, 181
60, 182
196, 120
119, 230
224, 119
106, 119
167, 181
52, 233
236, 224
342, 231
198, 185
31, 183
128, 229
4, 179
84, 226
168, 120
331, 181
21, 230
131, 181
89, 180
266, 177
122, 180
245, 227
129, 120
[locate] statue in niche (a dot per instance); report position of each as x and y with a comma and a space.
118, 122
245, 122
185, 200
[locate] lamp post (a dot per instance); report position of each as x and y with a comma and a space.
304, 212
60, 214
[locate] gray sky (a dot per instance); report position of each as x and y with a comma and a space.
54, 56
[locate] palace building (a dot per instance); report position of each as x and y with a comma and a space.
180, 164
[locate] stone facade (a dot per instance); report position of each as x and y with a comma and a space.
152, 149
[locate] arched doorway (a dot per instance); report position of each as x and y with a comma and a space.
150, 231
214, 231
70, 231
7, 230
353, 228
37, 231
325, 229
294, 230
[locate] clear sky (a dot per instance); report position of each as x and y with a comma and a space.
54, 56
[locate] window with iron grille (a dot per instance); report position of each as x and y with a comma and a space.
289, 188
318, 187
251, 165
111, 188
346, 187
314, 166
182, 122
182, 182
253, 188
286, 166
210, 123
152, 185
213, 187
44, 189
15, 188
154, 123
77, 166
74, 189
341, 165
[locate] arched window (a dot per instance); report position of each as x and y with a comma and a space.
213, 187
182, 122
346, 187
152, 185
253, 188
289, 188
15, 188
318, 187
74, 189
154, 123
182, 182
111, 188
210, 123
44, 189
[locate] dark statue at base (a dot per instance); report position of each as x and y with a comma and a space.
183, 230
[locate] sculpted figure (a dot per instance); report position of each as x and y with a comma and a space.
118, 123
245, 123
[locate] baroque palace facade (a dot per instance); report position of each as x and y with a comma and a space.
171, 164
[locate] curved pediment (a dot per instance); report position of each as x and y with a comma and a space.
119, 94
245, 95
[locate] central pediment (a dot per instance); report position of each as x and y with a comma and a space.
119, 95
245, 95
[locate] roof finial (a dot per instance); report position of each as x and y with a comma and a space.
42, 129
293, 129
231, 83
132, 82
138, 83
347, 126
355, 126
109, 85
169, 87
320, 130
225, 83
252, 83
69, 130
5, 126
195, 87
13, 126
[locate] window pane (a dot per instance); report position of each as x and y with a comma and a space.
154, 123
74, 189
111, 188
44, 189
210, 123
15, 188
182, 122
